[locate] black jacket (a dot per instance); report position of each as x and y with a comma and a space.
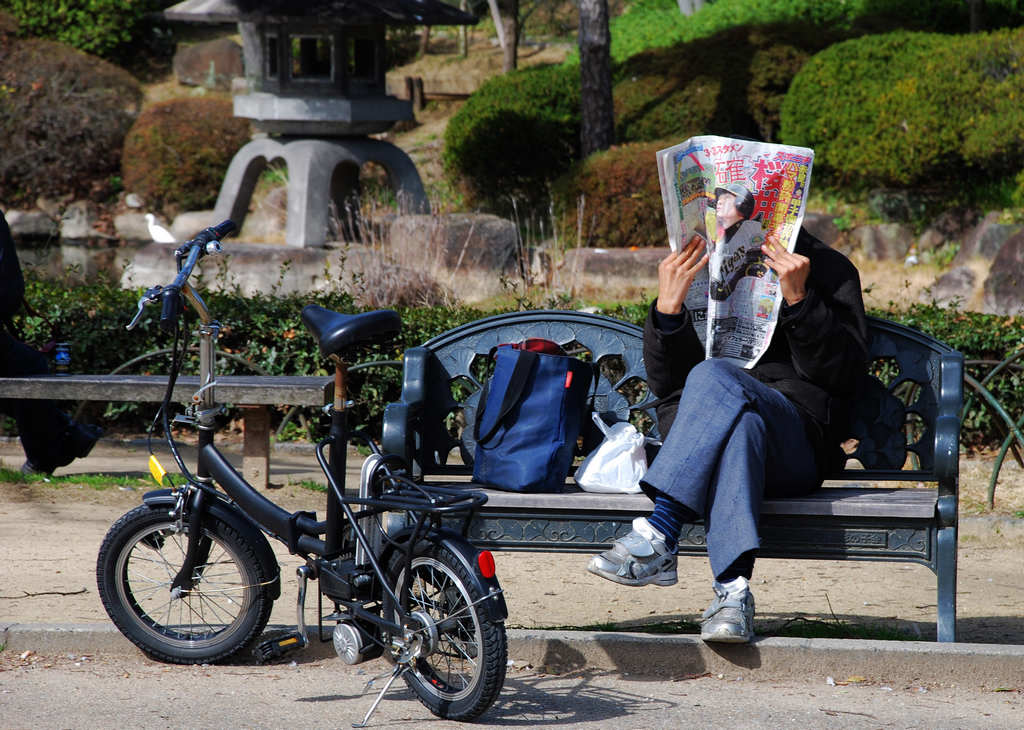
816, 357
12, 283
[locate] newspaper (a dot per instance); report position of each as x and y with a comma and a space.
733, 194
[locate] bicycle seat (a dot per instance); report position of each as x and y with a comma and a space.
335, 331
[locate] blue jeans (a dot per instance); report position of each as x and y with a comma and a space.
733, 442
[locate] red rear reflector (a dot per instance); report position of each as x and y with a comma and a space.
485, 561
568, 379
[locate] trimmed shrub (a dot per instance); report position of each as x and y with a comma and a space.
622, 197
177, 152
911, 109
731, 83
101, 27
658, 23
520, 131
63, 118
514, 134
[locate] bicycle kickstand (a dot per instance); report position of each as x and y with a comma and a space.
399, 670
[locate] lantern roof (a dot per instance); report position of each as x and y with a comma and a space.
341, 12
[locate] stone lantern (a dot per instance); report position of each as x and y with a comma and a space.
315, 72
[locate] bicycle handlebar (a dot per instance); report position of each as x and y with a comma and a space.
207, 241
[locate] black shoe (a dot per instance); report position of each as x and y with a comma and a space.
77, 441
30, 468
82, 438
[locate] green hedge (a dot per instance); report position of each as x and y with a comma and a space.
102, 27
658, 23
266, 330
515, 133
520, 131
730, 83
911, 109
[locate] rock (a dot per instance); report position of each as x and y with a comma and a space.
187, 225
614, 267
211, 64
986, 238
884, 242
899, 205
948, 227
823, 227
133, 200
269, 218
77, 221
1004, 287
459, 241
51, 206
955, 287
32, 224
131, 226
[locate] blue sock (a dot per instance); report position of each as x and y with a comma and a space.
668, 518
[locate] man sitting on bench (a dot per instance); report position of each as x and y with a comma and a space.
48, 435
742, 434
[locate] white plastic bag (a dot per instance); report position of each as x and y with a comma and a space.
618, 464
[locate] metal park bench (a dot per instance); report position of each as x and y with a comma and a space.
896, 500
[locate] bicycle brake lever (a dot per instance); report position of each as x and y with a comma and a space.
152, 294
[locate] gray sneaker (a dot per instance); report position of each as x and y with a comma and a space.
638, 559
729, 619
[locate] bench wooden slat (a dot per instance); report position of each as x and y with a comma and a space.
240, 389
912, 503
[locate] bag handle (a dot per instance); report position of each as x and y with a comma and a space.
513, 392
599, 422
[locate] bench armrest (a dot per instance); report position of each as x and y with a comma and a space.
947, 434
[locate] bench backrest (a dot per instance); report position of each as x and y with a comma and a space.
893, 429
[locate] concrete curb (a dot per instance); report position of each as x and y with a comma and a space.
985, 666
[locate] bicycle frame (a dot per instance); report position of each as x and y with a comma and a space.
189, 576
301, 531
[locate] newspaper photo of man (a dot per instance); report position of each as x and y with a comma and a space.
734, 206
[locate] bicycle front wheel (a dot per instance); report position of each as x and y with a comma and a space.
227, 607
458, 660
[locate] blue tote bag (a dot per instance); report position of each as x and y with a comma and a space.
529, 420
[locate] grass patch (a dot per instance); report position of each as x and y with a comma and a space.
98, 482
311, 485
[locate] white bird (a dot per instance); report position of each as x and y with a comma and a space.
911, 259
157, 232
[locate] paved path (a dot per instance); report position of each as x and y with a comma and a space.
48, 602
41, 692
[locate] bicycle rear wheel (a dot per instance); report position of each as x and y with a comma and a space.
461, 654
226, 609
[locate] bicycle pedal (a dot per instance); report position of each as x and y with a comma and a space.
277, 647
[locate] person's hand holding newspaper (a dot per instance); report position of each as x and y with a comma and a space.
676, 272
791, 268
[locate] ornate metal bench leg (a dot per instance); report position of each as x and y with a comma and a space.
945, 573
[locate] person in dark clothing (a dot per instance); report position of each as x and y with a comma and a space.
50, 438
773, 430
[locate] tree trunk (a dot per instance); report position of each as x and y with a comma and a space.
974, 9
689, 7
506, 26
597, 114
463, 34
511, 45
